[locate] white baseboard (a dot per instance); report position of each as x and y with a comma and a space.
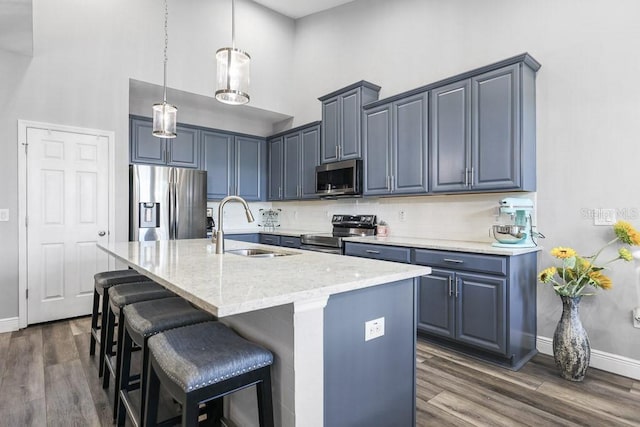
9, 324
609, 362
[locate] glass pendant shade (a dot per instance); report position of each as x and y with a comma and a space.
233, 76
164, 120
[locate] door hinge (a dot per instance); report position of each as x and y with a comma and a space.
26, 221
26, 147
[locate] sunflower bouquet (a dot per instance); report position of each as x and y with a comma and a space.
577, 271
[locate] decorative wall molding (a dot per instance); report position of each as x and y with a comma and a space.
9, 324
609, 362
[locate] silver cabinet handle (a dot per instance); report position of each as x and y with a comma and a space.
280, 192
457, 285
336, 151
393, 179
472, 180
450, 287
466, 177
101, 233
388, 183
456, 261
371, 251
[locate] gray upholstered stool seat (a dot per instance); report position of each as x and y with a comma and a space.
203, 362
142, 320
102, 281
119, 296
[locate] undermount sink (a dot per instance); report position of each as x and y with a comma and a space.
260, 253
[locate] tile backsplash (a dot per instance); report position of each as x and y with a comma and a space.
452, 217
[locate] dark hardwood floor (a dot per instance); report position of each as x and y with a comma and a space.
48, 379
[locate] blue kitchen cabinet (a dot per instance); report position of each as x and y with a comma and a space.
380, 252
483, 132
341, 121
244, 237
276, 170
290, 242
270, 239
181, 151
293, 158
235, 165
481, 304
395, 147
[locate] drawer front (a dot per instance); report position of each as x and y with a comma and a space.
492, 264
290, 242
381, 252
270, 239
245, 237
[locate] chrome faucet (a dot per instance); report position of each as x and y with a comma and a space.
219, 235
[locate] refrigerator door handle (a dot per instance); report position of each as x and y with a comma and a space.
172, 204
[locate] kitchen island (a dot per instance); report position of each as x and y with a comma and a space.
310, 310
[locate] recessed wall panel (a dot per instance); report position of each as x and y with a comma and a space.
87, 263
86, 197
52, 270
87, 152
53, 149
52, 185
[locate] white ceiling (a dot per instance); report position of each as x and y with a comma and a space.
298, 8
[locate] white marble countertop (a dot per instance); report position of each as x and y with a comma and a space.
231, 284
447, 245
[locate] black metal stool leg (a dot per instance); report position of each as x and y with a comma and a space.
125, 376
106, 348
94, 321
103, 332
152, 396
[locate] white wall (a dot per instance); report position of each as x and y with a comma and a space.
84, 55
588, 107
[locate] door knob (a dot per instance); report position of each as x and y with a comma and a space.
101, 233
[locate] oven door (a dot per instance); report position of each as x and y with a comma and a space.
324, 249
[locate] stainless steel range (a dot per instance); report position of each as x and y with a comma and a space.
343, 226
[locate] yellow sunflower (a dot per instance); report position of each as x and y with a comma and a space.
563, 253
547, 274
626, 233
600, 280
625, 254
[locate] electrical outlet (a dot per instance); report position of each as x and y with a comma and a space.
402, 215
374, 328
636, 317
604, 216
4, 215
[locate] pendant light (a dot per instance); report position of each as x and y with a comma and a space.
164, 115
233, 70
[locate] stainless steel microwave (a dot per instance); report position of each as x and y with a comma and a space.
339, 178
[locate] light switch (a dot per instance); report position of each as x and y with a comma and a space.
4, 215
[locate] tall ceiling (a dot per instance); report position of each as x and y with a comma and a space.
16, 21
298, 8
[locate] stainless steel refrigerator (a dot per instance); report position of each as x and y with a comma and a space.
167, 203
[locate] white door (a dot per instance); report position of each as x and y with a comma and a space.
67, 213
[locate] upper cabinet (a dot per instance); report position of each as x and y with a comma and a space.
395, 147
293, 157
341, 121
483, 132
182, 151
235, 165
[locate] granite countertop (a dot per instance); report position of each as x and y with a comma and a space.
230, 284
441, 244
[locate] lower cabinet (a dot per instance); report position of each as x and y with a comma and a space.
481, 304
270, 239
278, 240
244, 237
381, 252
469, 308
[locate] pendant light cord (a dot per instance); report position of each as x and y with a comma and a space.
233, 24
166, 43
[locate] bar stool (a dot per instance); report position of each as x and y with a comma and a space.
141, 321
103, 281
119, 296
202, 363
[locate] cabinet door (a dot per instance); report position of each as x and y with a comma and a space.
436, 303
292, 166
184, 150
481, 311
218, 162
409, 147
330, 130
310, 159
350, 116
496, 130
450, 137
377, 143
249, 168
275, 169
144, 147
